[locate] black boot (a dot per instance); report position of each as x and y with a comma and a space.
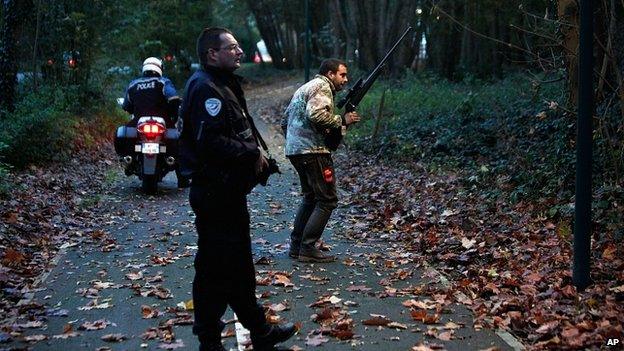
293, 252
183, 182
211, 346
210, 343
274, 335
314, 255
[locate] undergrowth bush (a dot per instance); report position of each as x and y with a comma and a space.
48, 125
5, 182
508, 136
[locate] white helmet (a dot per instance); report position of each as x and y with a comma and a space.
152, 64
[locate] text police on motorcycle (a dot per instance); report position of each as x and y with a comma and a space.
219, 150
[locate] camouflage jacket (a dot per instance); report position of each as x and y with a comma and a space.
309, 113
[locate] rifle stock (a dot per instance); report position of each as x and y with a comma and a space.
356, 93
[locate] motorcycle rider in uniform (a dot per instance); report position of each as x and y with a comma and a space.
219, 150
153, 95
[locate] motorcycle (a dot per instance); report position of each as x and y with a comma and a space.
148, 150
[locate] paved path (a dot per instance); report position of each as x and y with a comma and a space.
141, 262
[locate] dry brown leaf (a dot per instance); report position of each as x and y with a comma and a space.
172, 346
316, 340
135, 275
547, 327
342, 334
113, 337
148, 312
228, 333
12, 257
35, 338
396, 325
95, 325
355, 288
282, 280
377, 321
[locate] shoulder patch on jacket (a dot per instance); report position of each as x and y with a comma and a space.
213, 106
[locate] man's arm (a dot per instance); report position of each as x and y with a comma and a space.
173, 100
127, 105
319, 109
284, 123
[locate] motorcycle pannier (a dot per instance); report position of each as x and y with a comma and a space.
124, 140
171, 140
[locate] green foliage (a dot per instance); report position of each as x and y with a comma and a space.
71, 29
39, 130
5, 182
157, 28
46, 126
505, 135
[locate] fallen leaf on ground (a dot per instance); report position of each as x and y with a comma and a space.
148, 312
113, 337
172, 346
35, 338
316, 340
377, 321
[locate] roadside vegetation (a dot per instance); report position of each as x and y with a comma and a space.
510, 137
53, 124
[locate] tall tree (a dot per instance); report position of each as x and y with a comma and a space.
568, 22
14, 13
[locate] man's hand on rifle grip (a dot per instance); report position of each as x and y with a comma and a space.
351, 117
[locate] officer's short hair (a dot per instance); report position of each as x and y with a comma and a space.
330, 65
209, 38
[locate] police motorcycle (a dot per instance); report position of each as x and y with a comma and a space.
145, 145
148, 150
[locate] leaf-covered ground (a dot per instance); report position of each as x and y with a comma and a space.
509, 265
47, 207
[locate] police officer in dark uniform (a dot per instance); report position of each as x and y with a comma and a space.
219, 151
153, 95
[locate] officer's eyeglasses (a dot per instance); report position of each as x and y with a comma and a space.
231, 47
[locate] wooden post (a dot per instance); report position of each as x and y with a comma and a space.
379, 115
583, 197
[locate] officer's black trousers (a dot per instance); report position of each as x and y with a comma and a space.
224, 269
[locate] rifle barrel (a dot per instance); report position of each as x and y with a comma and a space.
360, 88
396, 44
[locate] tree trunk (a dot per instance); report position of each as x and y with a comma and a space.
569, 24
12, 18
266, 23
36, 46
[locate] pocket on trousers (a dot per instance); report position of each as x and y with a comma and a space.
326, 167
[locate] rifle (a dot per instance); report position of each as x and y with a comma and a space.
333, 136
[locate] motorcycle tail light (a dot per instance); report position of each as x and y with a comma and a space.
151, 129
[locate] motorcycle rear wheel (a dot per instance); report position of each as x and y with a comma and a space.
150, 184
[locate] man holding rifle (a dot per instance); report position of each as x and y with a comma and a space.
312, 131
305, 122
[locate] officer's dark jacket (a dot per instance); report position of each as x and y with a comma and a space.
151, 96
217, 144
